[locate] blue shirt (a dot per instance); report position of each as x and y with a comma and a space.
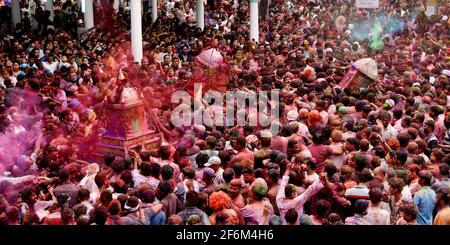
424, 200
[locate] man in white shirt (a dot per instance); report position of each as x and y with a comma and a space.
387, 131
84, 197
170, 5
214, 163
375, 214
360, 191
146, 173
5, 76
50, 64
286, 198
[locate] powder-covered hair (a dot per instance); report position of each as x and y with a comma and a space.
218, 201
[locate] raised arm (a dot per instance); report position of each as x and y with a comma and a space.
158, 124
293, 51
313, 189
18, 180
444, 146
266, 213
280, 194
37, 144
52, 194
137, 158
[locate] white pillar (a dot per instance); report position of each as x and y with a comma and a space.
83, 5
49, 7
154, 10
254, 23
88, 14
15, 12
116, 5
200, 11
136, 30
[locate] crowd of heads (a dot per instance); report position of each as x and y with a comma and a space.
372, 155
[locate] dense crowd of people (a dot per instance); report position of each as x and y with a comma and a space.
375, 155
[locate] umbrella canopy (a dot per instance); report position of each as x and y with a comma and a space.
211, 58
368, 67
